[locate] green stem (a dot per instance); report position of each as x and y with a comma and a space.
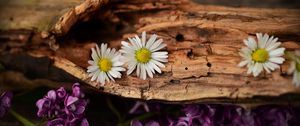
2, 67
22, 119
113, 109
140, 117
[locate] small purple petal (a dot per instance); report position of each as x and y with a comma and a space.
135, 123
70, 100
80, 110
51, 95
136, 107
182, 123
152, 123
5, 102
76, 90
44, 106
56, 122
40, 103
61, 92
84, 122
6, 98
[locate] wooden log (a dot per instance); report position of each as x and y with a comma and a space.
203, 43
56, 16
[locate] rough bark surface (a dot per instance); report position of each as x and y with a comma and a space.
202, 41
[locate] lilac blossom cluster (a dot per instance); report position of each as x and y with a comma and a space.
62, 108
5, 102
220, 115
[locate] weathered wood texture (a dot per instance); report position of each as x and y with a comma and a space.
203, 44
45, 15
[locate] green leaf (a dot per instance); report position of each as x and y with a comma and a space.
22, 119
2, 67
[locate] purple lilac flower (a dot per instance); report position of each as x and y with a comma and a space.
195, 115
137, 106
219, 115
230, 115
63, 109
271, 116
141, 107
5, 102
149, 123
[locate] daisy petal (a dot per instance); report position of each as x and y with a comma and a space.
144, 56
155, 45
269, 41
144, 38
94, 55
273, 46
138, 69
143, 72
111, 77
92, 68
95, 76
151, 41
278, 60
131, 67
158, 63
91, 62
138, 41
262, 42
118, 69
159, 47
277, 52
257, 69
115, 74
272, 66
117, 63
103, 49
154, 67
243, 63
251, 43
149, 72
266, 68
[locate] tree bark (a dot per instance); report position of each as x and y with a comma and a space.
203, 42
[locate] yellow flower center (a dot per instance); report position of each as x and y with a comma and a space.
104, 64
298, 66
143, 55
260, 55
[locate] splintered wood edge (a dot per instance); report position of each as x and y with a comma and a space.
65, 22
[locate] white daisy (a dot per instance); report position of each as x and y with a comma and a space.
263, 54
295, 69
106, 64
144, 56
